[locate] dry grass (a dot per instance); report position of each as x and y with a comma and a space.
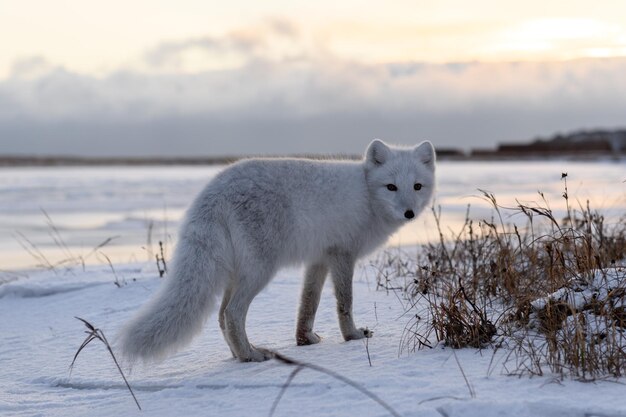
160, 261
552, 293
69, 259
93, 333
299, 366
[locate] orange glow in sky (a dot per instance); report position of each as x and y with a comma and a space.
97, 38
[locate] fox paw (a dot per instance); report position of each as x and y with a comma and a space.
307, 338
257, 355
359, 333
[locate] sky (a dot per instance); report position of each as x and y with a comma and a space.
191, 77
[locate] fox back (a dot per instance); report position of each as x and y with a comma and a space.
295, 209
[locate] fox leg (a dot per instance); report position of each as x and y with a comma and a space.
342, 270
245, 288
226, 298
314, 278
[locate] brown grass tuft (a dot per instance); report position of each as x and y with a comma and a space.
552, 292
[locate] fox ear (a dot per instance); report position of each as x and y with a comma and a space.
377, 153
425, 152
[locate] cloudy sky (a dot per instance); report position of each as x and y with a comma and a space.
195, 77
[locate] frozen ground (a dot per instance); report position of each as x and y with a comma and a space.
39, 336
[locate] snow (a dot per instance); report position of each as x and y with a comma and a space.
40, 336
583, 291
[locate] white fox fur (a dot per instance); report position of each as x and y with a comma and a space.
259, 215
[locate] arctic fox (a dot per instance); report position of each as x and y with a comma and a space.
259, 215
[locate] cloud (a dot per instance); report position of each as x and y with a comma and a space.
311, 87
561, 38
287, 93
30, 67
271, 39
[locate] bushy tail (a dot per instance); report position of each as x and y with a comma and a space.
179, 309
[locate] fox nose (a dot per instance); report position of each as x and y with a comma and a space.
409, 214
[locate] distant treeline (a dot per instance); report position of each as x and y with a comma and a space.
9, 161
582, 144
88, 161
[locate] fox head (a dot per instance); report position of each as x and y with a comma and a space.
401, 181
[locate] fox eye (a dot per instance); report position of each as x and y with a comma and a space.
392, 187
417, 186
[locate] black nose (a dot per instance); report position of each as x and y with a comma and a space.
409, 214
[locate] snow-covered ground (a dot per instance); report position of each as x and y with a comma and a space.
39, 334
